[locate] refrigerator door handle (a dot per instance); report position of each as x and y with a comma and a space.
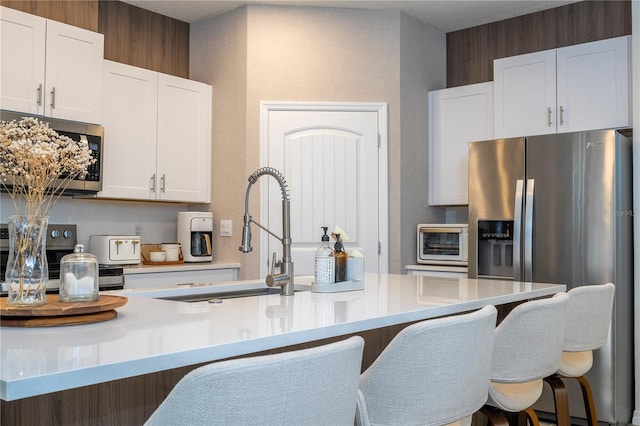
517, 230
528, 231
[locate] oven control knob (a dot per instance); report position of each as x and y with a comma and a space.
66, 234
55, 233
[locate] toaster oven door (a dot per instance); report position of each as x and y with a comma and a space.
443, 244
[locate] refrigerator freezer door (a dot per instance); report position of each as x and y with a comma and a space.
494, 168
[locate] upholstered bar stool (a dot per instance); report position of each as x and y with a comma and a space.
304, 387
588, 319
528, 345
434, 372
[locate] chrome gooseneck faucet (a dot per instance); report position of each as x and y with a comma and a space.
285, 278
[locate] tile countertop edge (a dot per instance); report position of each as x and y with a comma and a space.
84, 376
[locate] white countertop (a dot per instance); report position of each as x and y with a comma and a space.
151, 335
181, 267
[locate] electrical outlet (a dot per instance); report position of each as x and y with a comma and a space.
136, 228
225, 227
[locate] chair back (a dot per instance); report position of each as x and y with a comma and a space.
304, 387
432, 373
588, 317
528, 342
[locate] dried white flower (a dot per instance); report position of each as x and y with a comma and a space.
37, 164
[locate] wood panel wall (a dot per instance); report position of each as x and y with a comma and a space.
470, 52
81, 13
132, 35
144, 39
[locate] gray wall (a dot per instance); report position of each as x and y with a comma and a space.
422, 61
272, 53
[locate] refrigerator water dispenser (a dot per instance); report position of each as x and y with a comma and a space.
495, 248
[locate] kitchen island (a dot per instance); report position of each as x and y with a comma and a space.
117, 372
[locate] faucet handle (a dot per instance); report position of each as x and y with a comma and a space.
274, 263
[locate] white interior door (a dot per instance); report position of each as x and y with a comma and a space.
331, 161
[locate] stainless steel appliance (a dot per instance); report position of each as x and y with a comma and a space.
442, 244
91, 183
195, 234
61, 240
557, 209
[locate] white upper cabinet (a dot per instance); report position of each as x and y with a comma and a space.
525, 94
457, 116
184, 139
593, 85
50, 68
22, 64
157, 136
130, 129
580, 87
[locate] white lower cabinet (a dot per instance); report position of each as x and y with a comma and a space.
168, 279
157, 136
457, 116
573, 88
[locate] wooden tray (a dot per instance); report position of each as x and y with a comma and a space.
148, 248
175, 262
56, 313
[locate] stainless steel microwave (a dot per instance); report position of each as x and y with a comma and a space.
91, 183
443, 244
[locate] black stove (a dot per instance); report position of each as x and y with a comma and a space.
61, 240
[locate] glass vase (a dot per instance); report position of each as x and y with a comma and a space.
27, 271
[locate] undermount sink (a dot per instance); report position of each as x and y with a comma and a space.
234, 294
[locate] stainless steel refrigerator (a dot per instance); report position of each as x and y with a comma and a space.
557, 209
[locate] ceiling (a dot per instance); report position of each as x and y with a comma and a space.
446, 15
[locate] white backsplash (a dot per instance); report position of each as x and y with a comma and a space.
154, 222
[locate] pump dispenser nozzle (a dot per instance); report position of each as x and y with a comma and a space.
338, 244
341, 260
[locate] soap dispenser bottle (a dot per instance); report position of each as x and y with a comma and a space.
325, 262
341, 260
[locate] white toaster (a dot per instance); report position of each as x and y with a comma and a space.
116, 249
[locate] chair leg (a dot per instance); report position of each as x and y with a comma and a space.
494, 416
560, 399
587, 396
530, 415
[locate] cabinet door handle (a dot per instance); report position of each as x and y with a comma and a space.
549, 116
561, 115
153, 183
39, 94
53, 98
162, 182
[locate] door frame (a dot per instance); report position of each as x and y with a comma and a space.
383, 170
